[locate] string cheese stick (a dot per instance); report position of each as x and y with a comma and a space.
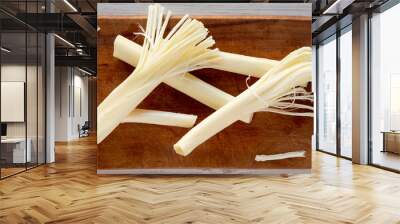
161, 118
280, 156
244, 65
128, 51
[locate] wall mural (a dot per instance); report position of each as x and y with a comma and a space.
247, 105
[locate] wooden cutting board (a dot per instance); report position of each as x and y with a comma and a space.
145, 146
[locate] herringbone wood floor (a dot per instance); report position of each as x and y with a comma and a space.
69, 191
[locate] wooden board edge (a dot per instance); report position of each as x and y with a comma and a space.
200, 171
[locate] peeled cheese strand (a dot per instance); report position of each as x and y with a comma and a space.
280, 156
161, 118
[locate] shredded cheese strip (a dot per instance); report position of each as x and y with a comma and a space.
278, 86
244, 65
280, 156
185, 48
161, 118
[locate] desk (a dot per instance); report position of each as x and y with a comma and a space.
391, 141
18, 149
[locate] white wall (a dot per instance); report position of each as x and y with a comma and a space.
33, 127
12, 73
61, 103
81, 103
70, 83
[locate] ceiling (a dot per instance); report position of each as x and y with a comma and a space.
76, 21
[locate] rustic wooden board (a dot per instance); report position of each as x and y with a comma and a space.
143, 146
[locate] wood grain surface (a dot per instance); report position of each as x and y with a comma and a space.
70, 192
134, 146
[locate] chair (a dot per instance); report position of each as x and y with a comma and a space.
84, 130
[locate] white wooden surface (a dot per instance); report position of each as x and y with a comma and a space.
12, 101
209, 9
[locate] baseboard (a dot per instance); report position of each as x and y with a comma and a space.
202, 171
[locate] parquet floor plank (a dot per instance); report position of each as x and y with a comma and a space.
70, 191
